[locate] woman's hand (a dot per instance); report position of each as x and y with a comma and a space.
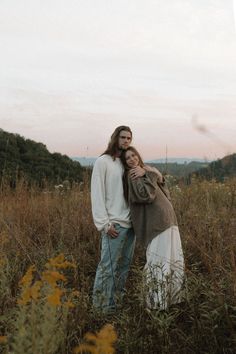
137, 172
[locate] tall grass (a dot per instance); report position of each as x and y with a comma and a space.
36, 226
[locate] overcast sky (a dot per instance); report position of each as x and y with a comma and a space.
73, 70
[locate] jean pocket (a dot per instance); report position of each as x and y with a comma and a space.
117, 226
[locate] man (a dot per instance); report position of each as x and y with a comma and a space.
111, 216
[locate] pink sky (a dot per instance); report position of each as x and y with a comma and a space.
72, 71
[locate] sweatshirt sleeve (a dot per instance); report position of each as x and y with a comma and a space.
99, 212
155, 173
160, 178
143, 189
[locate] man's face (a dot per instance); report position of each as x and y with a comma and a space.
124, 140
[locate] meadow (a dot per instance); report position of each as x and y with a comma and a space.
49, 251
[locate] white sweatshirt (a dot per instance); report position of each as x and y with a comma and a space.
108, 202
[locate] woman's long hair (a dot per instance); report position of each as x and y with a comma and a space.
113, 144
127, 169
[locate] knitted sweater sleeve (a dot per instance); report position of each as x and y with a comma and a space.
143, 189
99, 212
160, 179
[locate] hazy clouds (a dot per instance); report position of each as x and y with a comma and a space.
71, 71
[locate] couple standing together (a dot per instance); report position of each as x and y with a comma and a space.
129, 200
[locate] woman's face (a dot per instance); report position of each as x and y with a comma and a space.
132, 159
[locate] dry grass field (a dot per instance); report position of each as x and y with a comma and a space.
49, 250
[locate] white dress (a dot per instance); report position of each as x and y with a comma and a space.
155, 225
164, 269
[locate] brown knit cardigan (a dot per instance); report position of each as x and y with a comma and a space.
150, 207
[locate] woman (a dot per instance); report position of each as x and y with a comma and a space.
155, 225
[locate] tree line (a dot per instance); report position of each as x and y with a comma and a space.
20, 157
220, 169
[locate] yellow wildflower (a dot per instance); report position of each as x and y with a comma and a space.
29, 293
102, 341
35, 289
26, 280
59, 262
55, 298
51, 277
58, 259
64, 265
25, 297
84, 348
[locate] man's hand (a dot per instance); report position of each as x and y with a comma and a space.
112, 232
137, 172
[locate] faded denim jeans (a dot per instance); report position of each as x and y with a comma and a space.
112, 270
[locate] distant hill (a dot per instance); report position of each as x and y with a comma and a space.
219, 169
178, 160
177, 167
89, 161
85, 161
179, 170
25, 157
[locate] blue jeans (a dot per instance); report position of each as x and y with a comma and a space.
112, 270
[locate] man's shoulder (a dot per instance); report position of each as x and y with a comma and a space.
103, 160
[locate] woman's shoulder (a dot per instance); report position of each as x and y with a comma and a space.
154, 172
151, 168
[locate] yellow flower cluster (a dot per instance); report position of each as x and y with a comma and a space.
59, 262
52, 277
29, 290
28, 277
101, 342
54, 298
51, 280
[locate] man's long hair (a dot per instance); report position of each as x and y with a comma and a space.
127, 168
113, 145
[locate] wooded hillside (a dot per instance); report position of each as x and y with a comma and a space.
20, 157
220, 169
